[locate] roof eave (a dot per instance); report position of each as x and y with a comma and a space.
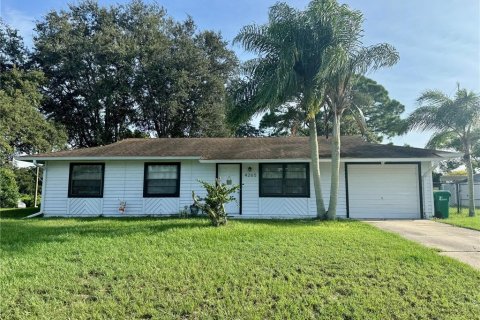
449, 155
128, 158
96, 158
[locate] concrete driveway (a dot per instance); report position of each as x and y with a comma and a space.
459, 243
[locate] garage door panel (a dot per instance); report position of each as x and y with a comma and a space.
389, 191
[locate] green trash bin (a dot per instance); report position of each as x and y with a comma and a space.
441, 200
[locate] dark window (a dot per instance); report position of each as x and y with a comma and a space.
86, 180
162, 180
284, 180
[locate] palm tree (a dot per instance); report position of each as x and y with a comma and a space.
291, 51
344, 67
455, 123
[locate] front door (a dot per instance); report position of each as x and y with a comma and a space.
230, 175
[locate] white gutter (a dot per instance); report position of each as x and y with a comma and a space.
252, 160
388, 159
350, 160
90, 158
447, 155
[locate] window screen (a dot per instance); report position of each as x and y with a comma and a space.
162, 180
86, 180
284, 180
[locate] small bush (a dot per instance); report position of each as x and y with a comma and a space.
29, 200
184, 213
8, 188
218, 195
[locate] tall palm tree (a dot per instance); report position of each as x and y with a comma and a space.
344, 68
291, 51
455, 123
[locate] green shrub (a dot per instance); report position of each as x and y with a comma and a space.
29, 200
25, 178
8, 188
218, 194
184, 213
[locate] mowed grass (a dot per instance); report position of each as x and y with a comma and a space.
185, 269
462, 219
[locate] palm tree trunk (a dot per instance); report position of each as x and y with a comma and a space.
471, 192
316, 168
335, 165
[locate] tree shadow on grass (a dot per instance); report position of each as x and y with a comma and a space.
19, 235
17, 213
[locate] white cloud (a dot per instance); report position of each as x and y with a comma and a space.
20, 21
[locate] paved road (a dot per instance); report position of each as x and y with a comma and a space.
459, 243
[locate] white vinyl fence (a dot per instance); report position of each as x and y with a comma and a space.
459, 192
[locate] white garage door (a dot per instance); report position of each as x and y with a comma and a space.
388, 191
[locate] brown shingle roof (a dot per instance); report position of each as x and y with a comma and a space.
241, 149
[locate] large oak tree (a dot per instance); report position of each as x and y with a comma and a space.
130, 70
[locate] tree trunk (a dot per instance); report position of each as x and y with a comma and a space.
471, 192
316, 168
335, 165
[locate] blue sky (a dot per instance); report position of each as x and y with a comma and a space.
438, 40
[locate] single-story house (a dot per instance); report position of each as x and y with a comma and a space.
138, 177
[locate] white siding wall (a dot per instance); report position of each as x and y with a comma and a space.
124, 181
55, 200
255, 207
427, 184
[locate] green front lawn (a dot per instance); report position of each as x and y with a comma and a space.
185, 269
462, 219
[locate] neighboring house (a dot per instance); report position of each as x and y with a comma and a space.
458, 187
157, 176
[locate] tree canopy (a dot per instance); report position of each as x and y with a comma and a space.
131, 70
13, 52
382, 115
23, 129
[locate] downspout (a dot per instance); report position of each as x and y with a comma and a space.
43, 190
428, 171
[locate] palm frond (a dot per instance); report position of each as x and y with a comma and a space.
426, 118
434, 98
374, 57
254, 38
360, 119
439, 112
